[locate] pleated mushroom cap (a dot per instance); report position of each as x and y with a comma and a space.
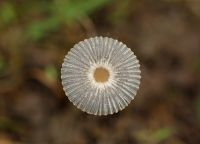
117, 68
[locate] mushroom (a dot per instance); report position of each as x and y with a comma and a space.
100, 75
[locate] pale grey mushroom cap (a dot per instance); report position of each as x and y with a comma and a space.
80, 86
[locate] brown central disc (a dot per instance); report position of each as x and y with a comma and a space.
101, 75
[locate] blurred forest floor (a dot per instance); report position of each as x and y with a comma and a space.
35, 35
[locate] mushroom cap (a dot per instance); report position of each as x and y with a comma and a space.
100, 98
